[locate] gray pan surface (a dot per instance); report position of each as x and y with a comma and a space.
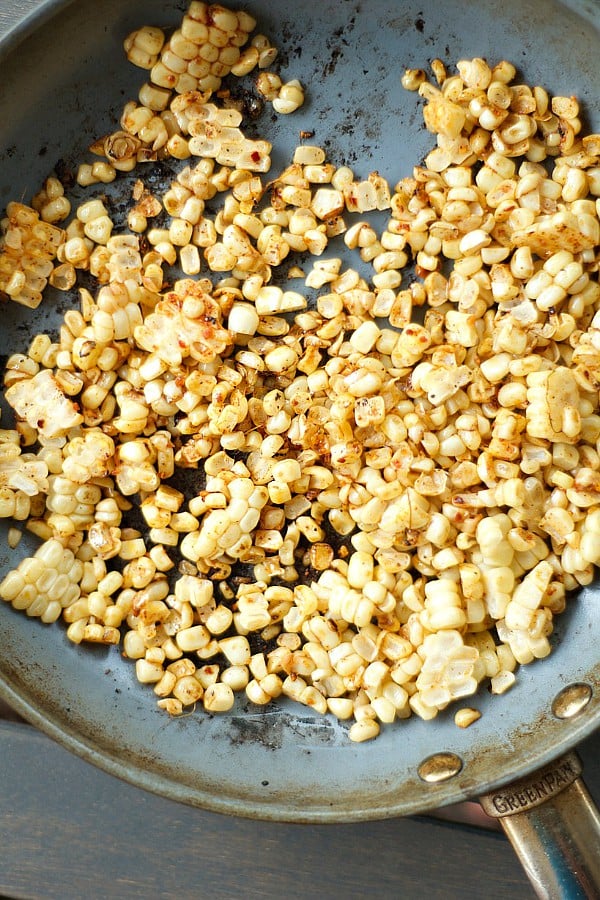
63, 84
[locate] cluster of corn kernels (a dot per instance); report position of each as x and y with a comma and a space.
308, 202
199, 54
482, 107
185, 72
46, 583
28, 248
23, 476
456, 462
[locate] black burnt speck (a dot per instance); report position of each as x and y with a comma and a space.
65, 173
250, 103
246, 730
420, 24
331, 65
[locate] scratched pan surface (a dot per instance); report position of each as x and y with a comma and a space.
64, 81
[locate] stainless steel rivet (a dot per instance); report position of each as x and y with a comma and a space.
440, 767
571, 700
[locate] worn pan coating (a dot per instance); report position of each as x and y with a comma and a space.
63, 83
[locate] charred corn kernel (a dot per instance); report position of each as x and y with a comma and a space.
188, 690
243, 319
194, 638
466, 716
236, 650
143, 46
412, 79
236, 677
218, 697
364, 730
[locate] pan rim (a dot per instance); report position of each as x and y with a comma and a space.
17, 25
439, 795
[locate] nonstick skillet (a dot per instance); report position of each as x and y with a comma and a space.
64, 80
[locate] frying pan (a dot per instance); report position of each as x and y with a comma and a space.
64, 81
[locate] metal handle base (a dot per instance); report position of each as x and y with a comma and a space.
554, 827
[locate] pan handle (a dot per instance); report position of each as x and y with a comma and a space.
554, 827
